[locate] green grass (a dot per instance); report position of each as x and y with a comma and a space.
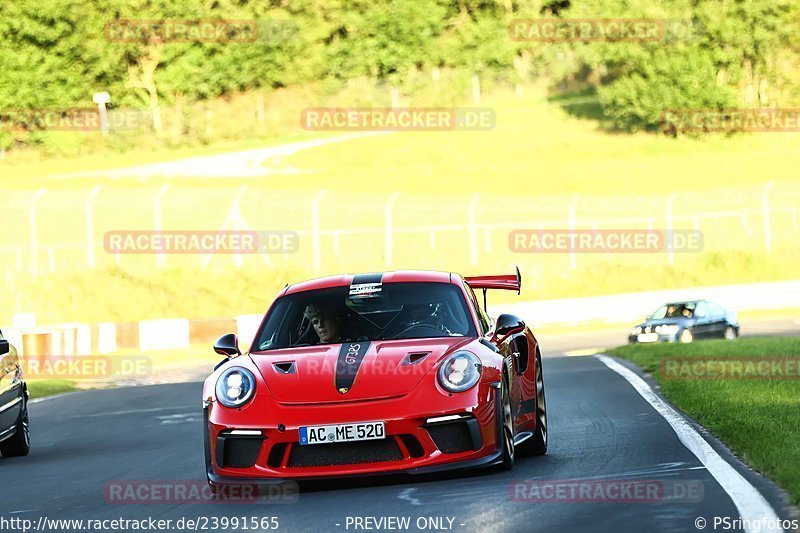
759, 419
39, 388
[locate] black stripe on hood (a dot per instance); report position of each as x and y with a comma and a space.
351, 354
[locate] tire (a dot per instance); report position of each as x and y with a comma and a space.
509, 451
20, 444
686, 336
537, 445
730, 333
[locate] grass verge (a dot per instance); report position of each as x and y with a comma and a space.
39, 388
759, 419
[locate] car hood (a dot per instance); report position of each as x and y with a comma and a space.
351, 371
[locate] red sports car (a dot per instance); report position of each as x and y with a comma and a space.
400, 372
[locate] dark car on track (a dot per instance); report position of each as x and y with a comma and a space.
14, 435
685, 322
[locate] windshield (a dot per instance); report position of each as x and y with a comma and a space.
685, 310
383, 312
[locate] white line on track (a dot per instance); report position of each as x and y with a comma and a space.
752, 506
406, 495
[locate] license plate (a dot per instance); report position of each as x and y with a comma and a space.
342, 433
647, 337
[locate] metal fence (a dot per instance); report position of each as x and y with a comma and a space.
62, 228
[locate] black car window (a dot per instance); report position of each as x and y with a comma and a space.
677, 310
410, 310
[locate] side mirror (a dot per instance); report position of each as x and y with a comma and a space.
506, 326
4, 347
228, 345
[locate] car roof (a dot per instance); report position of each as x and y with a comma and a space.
684, 302
398, 276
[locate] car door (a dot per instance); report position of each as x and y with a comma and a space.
702, 321
717, 320
10, 386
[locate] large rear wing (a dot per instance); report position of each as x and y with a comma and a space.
510, 282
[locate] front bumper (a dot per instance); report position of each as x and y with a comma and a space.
411, 446
649, 338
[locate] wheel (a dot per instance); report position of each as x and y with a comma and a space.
20, 444
508, 428
730, 333
537, 445
686, 336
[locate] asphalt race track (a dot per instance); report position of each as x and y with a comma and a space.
601, 430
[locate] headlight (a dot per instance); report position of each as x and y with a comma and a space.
460, 371
636, 330
235, 387
667, 329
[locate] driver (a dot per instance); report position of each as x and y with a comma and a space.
326, 322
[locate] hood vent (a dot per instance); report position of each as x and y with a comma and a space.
415, 357
285, 368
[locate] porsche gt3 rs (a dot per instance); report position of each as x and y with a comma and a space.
399, 372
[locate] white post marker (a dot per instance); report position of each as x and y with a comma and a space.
766, 216
32, 226
90, 226
101, 99
388, 231
315, 228
668, 236
571, 215
473, 229
752, 506
158, 222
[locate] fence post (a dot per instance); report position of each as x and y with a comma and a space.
473, 229
668, 240
766, 215
572, 206
388, 231
158, 222
32, 227
315, 240
90, 226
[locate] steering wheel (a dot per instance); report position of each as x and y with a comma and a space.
415, 326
